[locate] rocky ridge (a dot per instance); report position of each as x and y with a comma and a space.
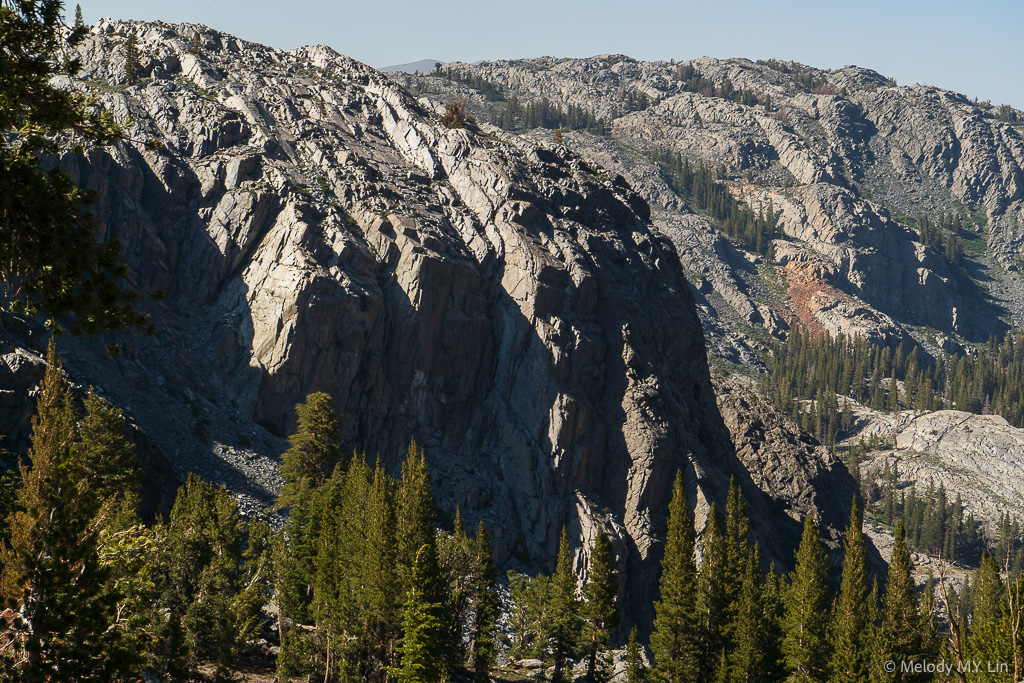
844, 157
316, 228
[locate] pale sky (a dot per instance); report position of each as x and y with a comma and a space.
975, 47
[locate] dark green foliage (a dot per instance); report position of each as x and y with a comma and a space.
131, 58
933, 524
357, 604
854, 613
543, 113
737, 547
415, 512
52, 263
79, 21
10, 482
366, 590
675, 637
214, 561
1007, 114
806, 78
65, 630
111, 596
900, 635
422, 649
490, 91
314, 449
943, 235
990, 627
714, 608
531, 597
700, 185
564, 612
808, 602
487, 608
821, 368
600, 610
108, 453
694, 81
635, 670
719, 623
459, 561
379, 595
754, 655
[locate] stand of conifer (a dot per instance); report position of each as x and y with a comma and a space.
808, 603
487, 608
599, 609
853, 617
422, 653
674, 640
565, 609
52, 576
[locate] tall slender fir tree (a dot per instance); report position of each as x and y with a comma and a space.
675, 637
564, 626
854, 614
808, 603
600, 610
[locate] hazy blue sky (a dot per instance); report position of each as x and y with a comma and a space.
973, 46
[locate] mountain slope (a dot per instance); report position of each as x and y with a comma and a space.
503, 302
846, 161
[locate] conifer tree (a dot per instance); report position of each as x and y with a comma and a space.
713, 607
487, 607
379, 587
131, 58
343, 582
314, 450
529, 620
853, 616
50, 261
415, 515
635, 671
564, 611
422, 656
900, 635
807, 609
674, 640
51, 570
1015, 620
990, 633
457, 557
105, 450
600, 611
210, 585
753, 653
737, 550
79, 21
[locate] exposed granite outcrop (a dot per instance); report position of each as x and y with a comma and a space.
819, 144
501, 301
979, 457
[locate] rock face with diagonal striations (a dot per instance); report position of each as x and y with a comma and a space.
506, 304
845, 160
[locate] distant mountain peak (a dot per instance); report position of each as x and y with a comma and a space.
422, 65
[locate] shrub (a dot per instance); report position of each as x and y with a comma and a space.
455, 113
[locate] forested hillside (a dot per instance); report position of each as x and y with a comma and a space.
489, 319
362, 585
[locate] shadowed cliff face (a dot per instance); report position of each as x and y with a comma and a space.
505, 304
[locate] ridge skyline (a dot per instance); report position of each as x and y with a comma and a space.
938, 44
